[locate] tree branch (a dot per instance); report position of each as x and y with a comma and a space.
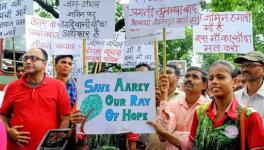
48, 8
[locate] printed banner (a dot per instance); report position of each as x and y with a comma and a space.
117, 102
224, 32
12, 17
156, 14
109, 51
139, 54
91, 19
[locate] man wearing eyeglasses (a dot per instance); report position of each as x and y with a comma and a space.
34, 104
252, 68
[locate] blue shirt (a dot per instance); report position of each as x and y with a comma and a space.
72, 91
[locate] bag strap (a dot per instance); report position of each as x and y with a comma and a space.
243, 128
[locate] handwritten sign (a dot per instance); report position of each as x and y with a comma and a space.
91, 19
139, 54
12, 16
44, 33
137, 36
224, 32
117, 102
109, 51
145, 14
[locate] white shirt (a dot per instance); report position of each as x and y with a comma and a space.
256, 101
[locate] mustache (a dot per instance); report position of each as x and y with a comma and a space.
243, 72
189, 82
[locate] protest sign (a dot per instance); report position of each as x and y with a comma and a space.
91, 19
138, 54
157, 14
109, 50
44, 33
55, 139
12, 16
137, 36
224, 32
117, 102
180, 64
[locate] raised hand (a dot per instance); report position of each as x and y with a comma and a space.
77, 117
164, 87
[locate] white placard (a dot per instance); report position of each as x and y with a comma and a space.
117, 102
109, 50
12, 16
44, 33
145, 14
91, 19
139, 36
224, 32
136, 54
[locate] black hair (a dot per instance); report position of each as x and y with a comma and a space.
18, 65
62, 56
175, 68
203, 72
204, 76
143, 65
45, 54
230, 67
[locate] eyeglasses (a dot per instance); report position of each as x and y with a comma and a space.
250, 65
32, 58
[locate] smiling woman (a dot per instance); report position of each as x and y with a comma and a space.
216, 125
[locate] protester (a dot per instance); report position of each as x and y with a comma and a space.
177, 117
240, 82
174, 94
34, 104
19, 70
63, 67
252, 68
173, 74
216, 125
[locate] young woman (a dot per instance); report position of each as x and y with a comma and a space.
216, 125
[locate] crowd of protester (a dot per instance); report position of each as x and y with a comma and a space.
222, 108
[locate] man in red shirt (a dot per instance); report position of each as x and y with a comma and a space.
34, 104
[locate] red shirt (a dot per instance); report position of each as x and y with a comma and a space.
37, 109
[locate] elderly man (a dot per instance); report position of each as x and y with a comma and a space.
252, 68
177, 116
34, 104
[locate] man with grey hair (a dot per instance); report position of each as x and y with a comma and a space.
252, 69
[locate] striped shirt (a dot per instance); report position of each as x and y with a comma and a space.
72, 91
256, 101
